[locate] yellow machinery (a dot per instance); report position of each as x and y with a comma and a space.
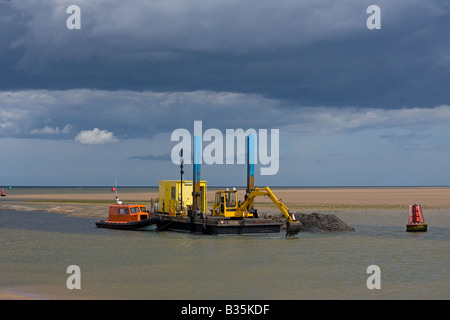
174, 194
226, 204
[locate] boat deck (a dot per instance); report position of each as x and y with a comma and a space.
217, 225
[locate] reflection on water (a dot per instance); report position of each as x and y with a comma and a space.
37, 248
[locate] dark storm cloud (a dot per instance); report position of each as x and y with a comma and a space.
306, 52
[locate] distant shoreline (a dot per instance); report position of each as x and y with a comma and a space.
95, 204
225, 186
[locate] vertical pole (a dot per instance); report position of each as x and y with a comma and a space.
250, 163
196, 179
181, 187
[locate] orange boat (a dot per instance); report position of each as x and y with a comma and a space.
129, 217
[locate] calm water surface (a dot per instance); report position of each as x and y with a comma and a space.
37, 248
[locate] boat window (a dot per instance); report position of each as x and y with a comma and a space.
218, 199
231, 199
120, 210
126, 211
143, 209
134, 209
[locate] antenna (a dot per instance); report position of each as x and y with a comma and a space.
115, 189
181, 184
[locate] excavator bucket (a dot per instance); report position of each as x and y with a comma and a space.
292, 228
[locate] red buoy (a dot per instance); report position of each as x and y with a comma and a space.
416, 221
3, 194
113, 189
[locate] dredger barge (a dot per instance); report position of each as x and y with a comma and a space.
185, 210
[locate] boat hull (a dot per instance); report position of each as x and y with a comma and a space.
216, 226
141, 225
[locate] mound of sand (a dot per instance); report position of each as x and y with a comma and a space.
319, 222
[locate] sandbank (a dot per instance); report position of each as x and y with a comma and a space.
308, 199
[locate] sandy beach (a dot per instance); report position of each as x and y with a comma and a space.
300, 199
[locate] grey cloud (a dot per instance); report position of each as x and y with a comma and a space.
132, 114
152, 157
306, 52
325, 121
50, 130
427, 147
128, 114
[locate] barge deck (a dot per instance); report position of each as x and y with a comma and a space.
217, 225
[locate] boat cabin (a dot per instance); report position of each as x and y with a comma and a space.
127, 212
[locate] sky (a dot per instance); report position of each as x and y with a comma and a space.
354, 106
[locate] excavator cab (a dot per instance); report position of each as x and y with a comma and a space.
226, 204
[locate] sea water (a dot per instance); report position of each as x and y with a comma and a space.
38, 247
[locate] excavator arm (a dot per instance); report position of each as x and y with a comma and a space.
292, 225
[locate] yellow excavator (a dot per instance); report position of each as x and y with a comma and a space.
227, 204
